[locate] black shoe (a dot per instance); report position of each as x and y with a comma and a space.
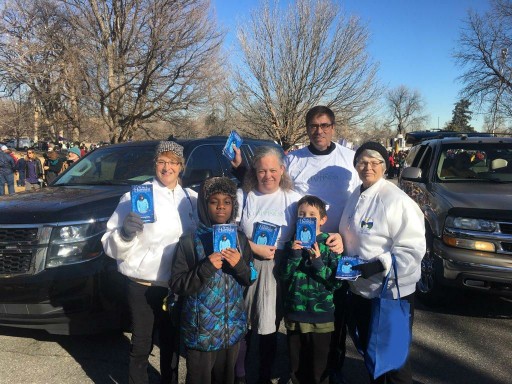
240, 380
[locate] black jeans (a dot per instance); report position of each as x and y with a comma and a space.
147, 315
217, 367
361, 313
308, 357
338, 340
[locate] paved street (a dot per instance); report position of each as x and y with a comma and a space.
466, 342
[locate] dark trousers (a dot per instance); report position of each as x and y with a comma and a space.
9, 180
145, 305
216, 367
267, 354
361, 311
338, 340
308, 357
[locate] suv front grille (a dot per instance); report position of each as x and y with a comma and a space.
16, 250
506, 228
11, 264
24, 235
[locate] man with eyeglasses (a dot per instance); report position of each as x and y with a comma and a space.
7, 168
325, 169
33, 171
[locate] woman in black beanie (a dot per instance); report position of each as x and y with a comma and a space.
378, 221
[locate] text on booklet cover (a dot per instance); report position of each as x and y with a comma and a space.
224, 236
306, 231
142, 202
265, 233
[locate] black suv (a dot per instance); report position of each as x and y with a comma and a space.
54, 274
464, 187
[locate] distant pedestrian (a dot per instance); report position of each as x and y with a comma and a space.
7, 169
20, 167
33, 171
52, 166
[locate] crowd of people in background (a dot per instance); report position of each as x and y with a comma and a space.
34, 168
396, 163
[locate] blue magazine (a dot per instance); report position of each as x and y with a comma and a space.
142, 202
306, 231
265, 233
224, 236
345, 271
233, 138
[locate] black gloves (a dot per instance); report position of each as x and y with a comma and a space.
131, 225
369, 269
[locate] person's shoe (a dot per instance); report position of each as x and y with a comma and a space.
240, 380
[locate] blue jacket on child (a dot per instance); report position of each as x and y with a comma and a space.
213, 315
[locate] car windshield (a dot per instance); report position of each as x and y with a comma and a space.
474, 162
111, 166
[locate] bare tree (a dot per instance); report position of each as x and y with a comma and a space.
32, 45
147, 59
16, 112
482, 52
374, 129
294, 59
406, 108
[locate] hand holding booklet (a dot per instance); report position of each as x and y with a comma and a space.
224, 236
142, 202
345, 271
306, 231
234, 139
265, 233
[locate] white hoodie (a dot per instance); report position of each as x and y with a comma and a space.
148, 255
379, 222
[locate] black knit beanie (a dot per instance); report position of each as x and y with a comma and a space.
372, 146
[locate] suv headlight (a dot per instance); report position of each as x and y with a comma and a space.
467, 239
470, 224
74, 243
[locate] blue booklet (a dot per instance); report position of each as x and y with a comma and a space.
142, 202
345, 271
265, 233
233, 139
306, 231
224, 236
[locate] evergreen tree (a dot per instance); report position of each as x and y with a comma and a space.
461, 117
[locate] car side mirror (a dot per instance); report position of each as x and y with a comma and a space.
411, 174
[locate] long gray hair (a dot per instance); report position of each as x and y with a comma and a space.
251, 180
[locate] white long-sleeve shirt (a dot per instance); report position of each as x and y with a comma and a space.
148, 255
330, 177
378, 222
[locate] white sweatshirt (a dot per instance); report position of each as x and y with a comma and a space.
378, 222
330, 177
148, 255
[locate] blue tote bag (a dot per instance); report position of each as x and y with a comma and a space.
389, 335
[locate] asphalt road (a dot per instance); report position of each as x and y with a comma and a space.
468, 341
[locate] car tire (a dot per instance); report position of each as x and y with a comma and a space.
428, 289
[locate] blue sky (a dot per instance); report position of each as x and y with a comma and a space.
413, 40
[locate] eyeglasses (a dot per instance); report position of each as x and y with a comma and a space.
161, 163
324, 127
30, 153
365, 164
